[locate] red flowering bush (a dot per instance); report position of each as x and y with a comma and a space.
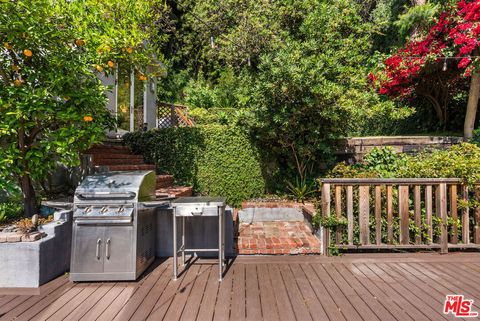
454, 36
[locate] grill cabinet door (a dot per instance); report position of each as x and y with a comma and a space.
88, 253
118, 248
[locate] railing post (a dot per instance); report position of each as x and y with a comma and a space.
442, 201
364, 214
390, 214
465, 217
338, 212
476, 228
403, 211
325, 213
350, 214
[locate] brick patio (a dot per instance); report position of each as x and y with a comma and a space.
276, 238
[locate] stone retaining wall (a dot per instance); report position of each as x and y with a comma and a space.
353, 149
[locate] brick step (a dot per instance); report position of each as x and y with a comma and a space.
174, 191
276, 238
100, 156
164, 181
116, 161
144, 167
110, 149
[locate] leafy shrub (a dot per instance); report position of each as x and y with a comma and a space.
476, 137
459, 161
10, 210
216, 160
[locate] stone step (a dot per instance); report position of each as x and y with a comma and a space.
174, 191
164, 181
143, 167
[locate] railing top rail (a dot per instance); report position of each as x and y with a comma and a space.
392, 181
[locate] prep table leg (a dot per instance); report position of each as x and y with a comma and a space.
220, 247
183, 240
174, 246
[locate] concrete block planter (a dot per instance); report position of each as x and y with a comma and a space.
32, 263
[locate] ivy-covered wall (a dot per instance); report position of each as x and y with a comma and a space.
216, 160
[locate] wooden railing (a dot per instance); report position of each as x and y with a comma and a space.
399, 213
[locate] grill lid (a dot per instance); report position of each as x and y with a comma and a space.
135, 186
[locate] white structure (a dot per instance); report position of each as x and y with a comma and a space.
132, 100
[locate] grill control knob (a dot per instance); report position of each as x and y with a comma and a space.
104, 209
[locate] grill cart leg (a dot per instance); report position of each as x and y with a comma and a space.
220, 246
183, 241
174, 246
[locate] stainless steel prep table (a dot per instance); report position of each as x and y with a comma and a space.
198, 207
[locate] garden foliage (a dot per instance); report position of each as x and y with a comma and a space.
216, 160
458, 161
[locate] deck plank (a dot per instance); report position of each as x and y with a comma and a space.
267, 297
393, 306
85, 306
362, 309
224, 299
411, 310
180, 299
314, 306
416, 291
252, 293
337, 295
207, 306
296, 298
237, 311
131, 305
380, 311
146, 306
405, 292
196, 294
386, 287
94, 312
327, 302
285, 309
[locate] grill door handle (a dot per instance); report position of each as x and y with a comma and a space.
107, 249
196, 213
97, 251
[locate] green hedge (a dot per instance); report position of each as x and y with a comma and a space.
216, 160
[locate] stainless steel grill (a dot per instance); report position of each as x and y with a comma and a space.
113, 226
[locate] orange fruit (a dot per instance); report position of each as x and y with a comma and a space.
110, 64
129, 50
27, 52
99, 68
7, 45
80, 42
17, 82
87, 118
142, 77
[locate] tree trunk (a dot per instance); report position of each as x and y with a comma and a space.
29, 197
473, 96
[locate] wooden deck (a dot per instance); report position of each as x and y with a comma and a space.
369, 287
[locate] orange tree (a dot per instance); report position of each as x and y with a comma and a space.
51, 100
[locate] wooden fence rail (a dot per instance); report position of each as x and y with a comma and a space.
400, 213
